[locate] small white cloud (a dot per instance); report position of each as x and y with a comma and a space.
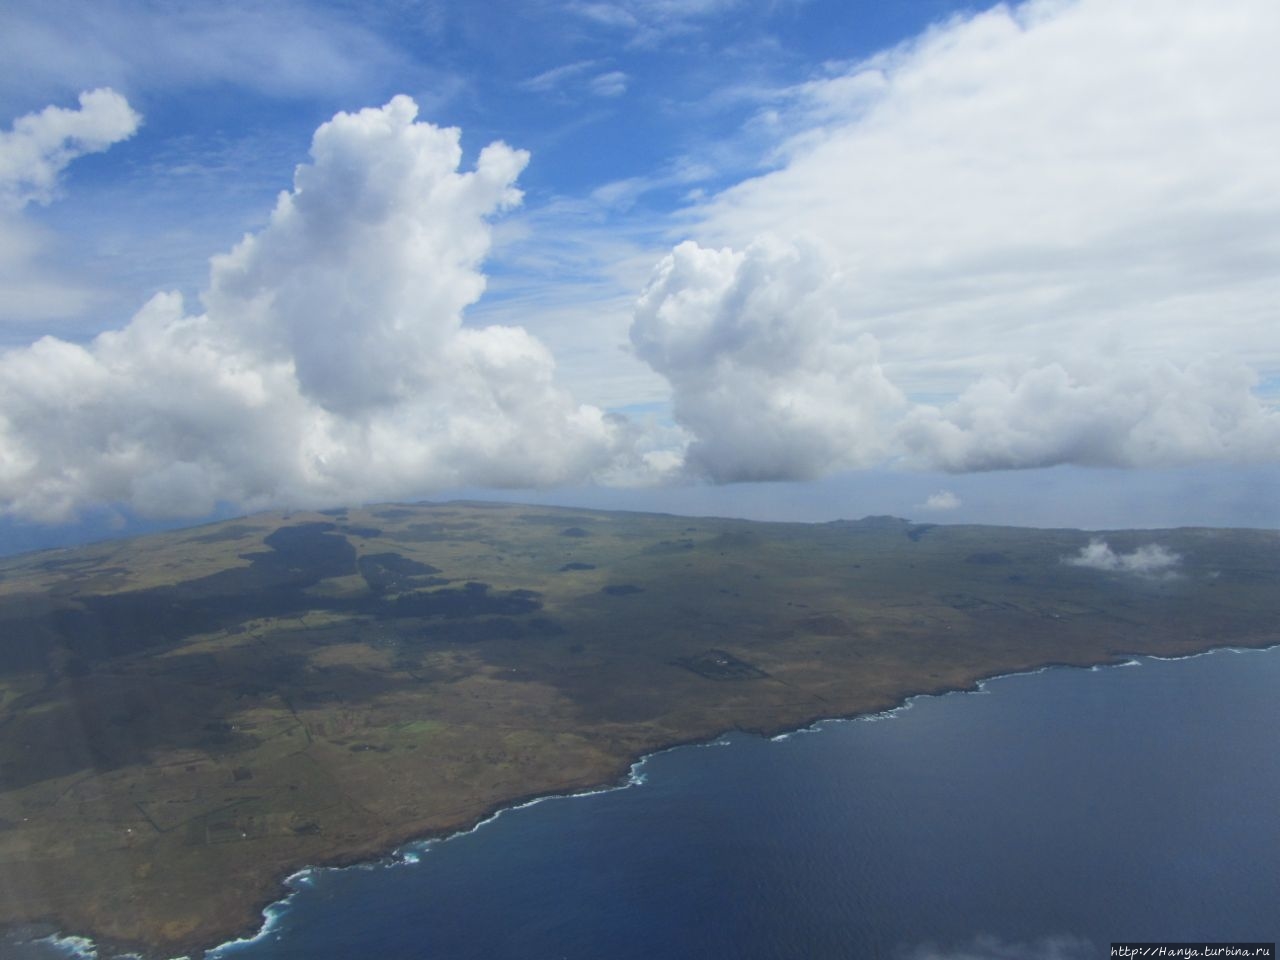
1150, 560
40, 145
572, 77
942, 500
621, 194
556, 77
651, 22
606, 14
611, 84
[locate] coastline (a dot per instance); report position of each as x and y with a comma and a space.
85, 945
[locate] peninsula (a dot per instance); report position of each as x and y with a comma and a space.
187, 718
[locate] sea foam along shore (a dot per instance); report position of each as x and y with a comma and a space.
83, 948
407, 855
411, 853
980, 687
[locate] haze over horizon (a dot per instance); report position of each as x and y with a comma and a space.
785, 260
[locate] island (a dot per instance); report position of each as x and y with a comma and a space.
188, 718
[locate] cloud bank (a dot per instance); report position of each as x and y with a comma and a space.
997, 258
1151, 560
330, 362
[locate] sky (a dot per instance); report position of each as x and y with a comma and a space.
782, 259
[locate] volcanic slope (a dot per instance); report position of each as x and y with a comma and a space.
187, 718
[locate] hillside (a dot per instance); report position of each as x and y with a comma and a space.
187, 718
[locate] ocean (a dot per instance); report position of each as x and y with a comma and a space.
1045, 816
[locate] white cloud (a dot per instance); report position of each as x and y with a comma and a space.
40, 145
623, 194
611, 84
33, 154
286, 48
574, 76
746, 341
1150, 560
942, 500
556, 77
651, 21
1058, 265
330, 362
1112, 415
606, 14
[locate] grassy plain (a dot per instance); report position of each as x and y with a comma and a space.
187, 718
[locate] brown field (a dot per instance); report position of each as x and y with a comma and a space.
187, 718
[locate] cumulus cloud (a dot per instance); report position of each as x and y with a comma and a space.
1052, 265
330, 362
942, 500
760, 381
1151, 560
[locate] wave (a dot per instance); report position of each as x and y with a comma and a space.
80, 948
272, 914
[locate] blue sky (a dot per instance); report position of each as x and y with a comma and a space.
793, 259
223, 126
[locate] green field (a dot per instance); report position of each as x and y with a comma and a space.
187, 718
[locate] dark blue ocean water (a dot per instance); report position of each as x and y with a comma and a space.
1044, 817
